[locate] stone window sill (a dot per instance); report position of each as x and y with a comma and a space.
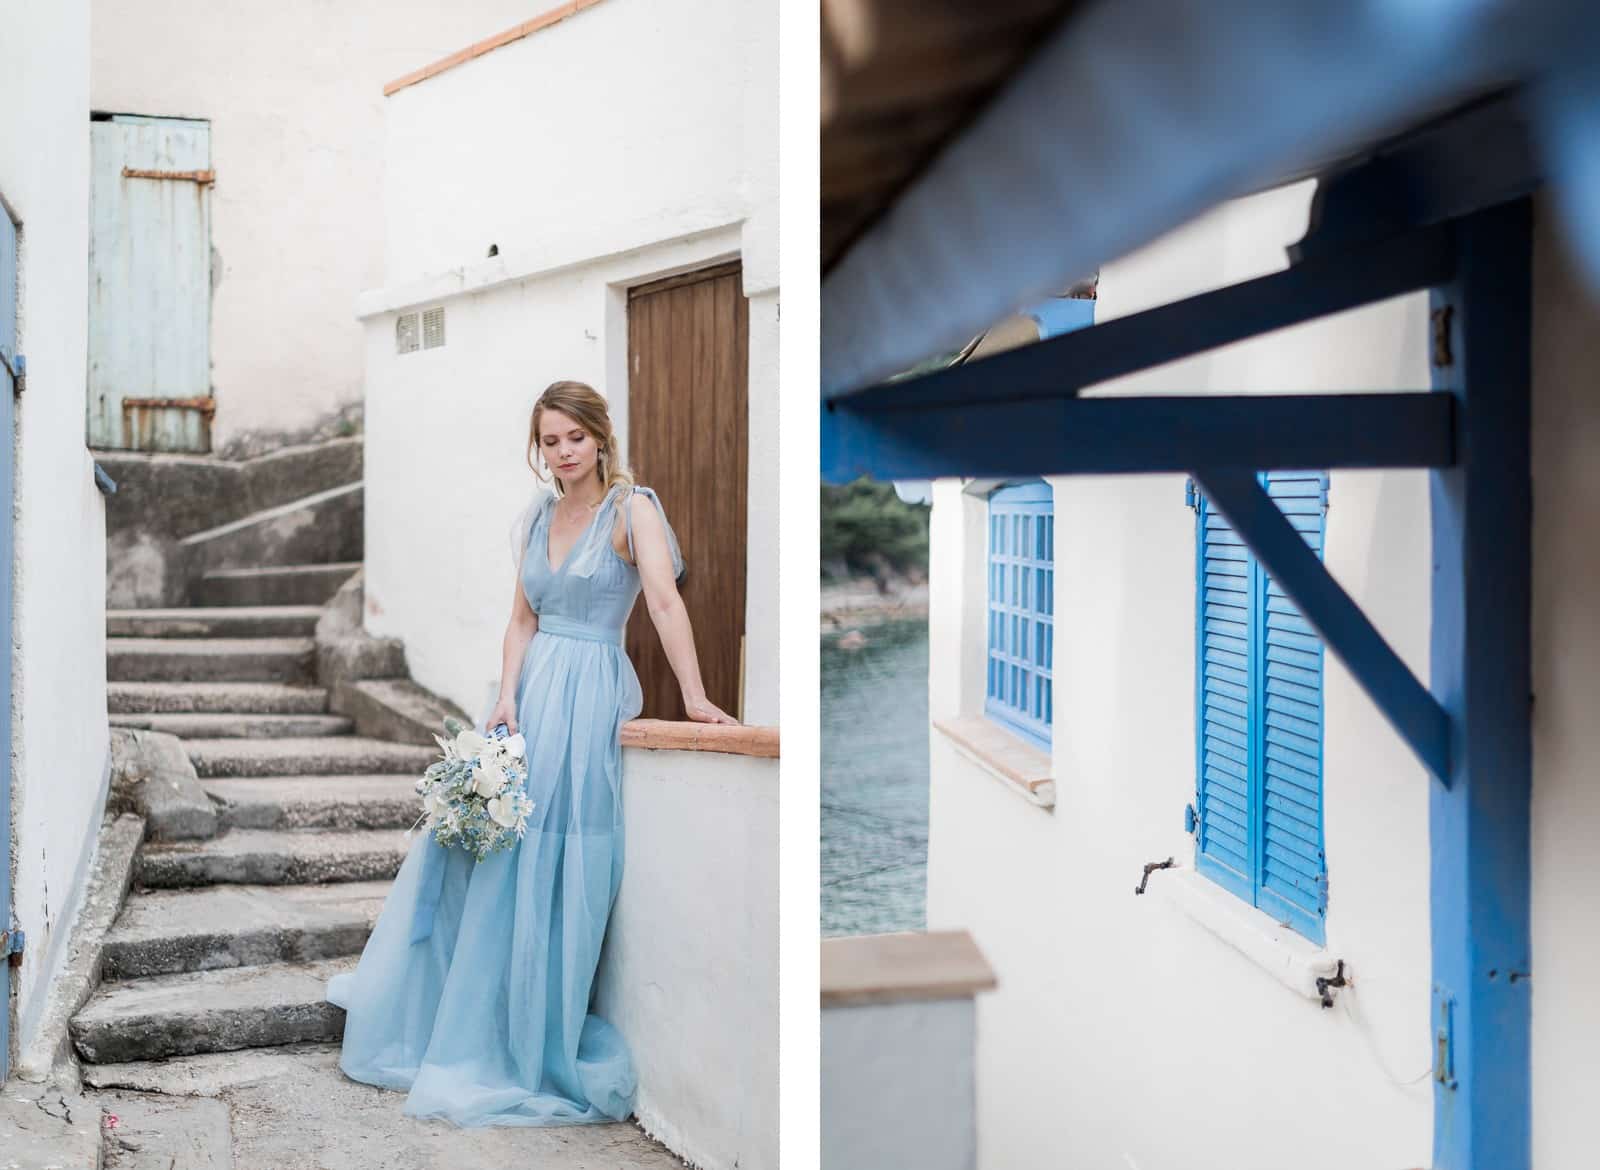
669, 735
1021, 767
1292, 960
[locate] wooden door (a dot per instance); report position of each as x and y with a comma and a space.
150, 284
688, 361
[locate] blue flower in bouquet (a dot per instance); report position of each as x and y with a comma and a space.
474, 796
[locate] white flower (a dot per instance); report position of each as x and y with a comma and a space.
448, 747
503, 810
431, 804
515, 746
469, 743
488, 779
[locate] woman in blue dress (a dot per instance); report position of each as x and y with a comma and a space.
473, 991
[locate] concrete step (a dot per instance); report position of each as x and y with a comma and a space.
215, 697
272, 857
243, 621
209, 1011
316, 802
334, 754
278, 585
166, 932
286, 660
237, 725
317, 529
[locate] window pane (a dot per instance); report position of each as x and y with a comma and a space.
1040, 540
1049, 714
1049, 591
1050, 540
1027, 638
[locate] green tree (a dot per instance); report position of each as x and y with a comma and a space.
868, 529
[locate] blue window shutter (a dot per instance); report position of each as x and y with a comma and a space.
1225, 838
1019, 686
1260, 720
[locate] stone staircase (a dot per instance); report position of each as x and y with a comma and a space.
226, 942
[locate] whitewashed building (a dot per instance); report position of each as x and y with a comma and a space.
1187, 1027
57, 757
592, 194
1262, 794
277, 113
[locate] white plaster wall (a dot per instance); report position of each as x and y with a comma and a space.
1124, 1033
621, 126
1566, 685
629, 142
897, 1086
59, 736
690, 969
294, 93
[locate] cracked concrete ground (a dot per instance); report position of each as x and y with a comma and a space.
294, 1110
45, 1128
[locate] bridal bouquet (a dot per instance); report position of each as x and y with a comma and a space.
473, 797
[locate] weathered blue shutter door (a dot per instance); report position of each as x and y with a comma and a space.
1259, 670
8, 364
149, 284
1226, 599
1292, 878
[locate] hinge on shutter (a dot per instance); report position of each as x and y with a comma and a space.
11, 944
17, 367
1191, 819
1322, 893
1191, 498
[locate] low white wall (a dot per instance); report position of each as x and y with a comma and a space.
897, 1086
690, 969
1125, 1033
294, 93
59, 735
632, 141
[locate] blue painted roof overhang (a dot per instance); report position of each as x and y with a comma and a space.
1137, 115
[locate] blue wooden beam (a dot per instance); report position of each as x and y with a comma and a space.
1289, 561
1481, 673
1138, 434
1315, 287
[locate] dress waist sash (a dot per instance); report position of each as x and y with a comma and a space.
565, 627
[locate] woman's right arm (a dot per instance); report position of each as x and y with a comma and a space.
519, 631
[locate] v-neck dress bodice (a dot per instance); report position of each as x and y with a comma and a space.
473, 991
591, 591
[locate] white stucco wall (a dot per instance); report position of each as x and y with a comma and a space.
294, 93
897, 1086
690, 969
59, 735
629, 142
1566, 686
1125, 1032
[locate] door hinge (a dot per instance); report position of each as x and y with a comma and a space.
11, 943
17, 367
1191, 498
1191, 819
1444, 1039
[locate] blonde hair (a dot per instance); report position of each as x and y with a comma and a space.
584, 405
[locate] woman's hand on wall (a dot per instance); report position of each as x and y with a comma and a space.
703, 710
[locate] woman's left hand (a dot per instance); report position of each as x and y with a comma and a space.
705, 711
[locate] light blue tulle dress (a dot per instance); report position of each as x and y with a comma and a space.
473, 992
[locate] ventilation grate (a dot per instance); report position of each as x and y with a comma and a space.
433, 328
405, 333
